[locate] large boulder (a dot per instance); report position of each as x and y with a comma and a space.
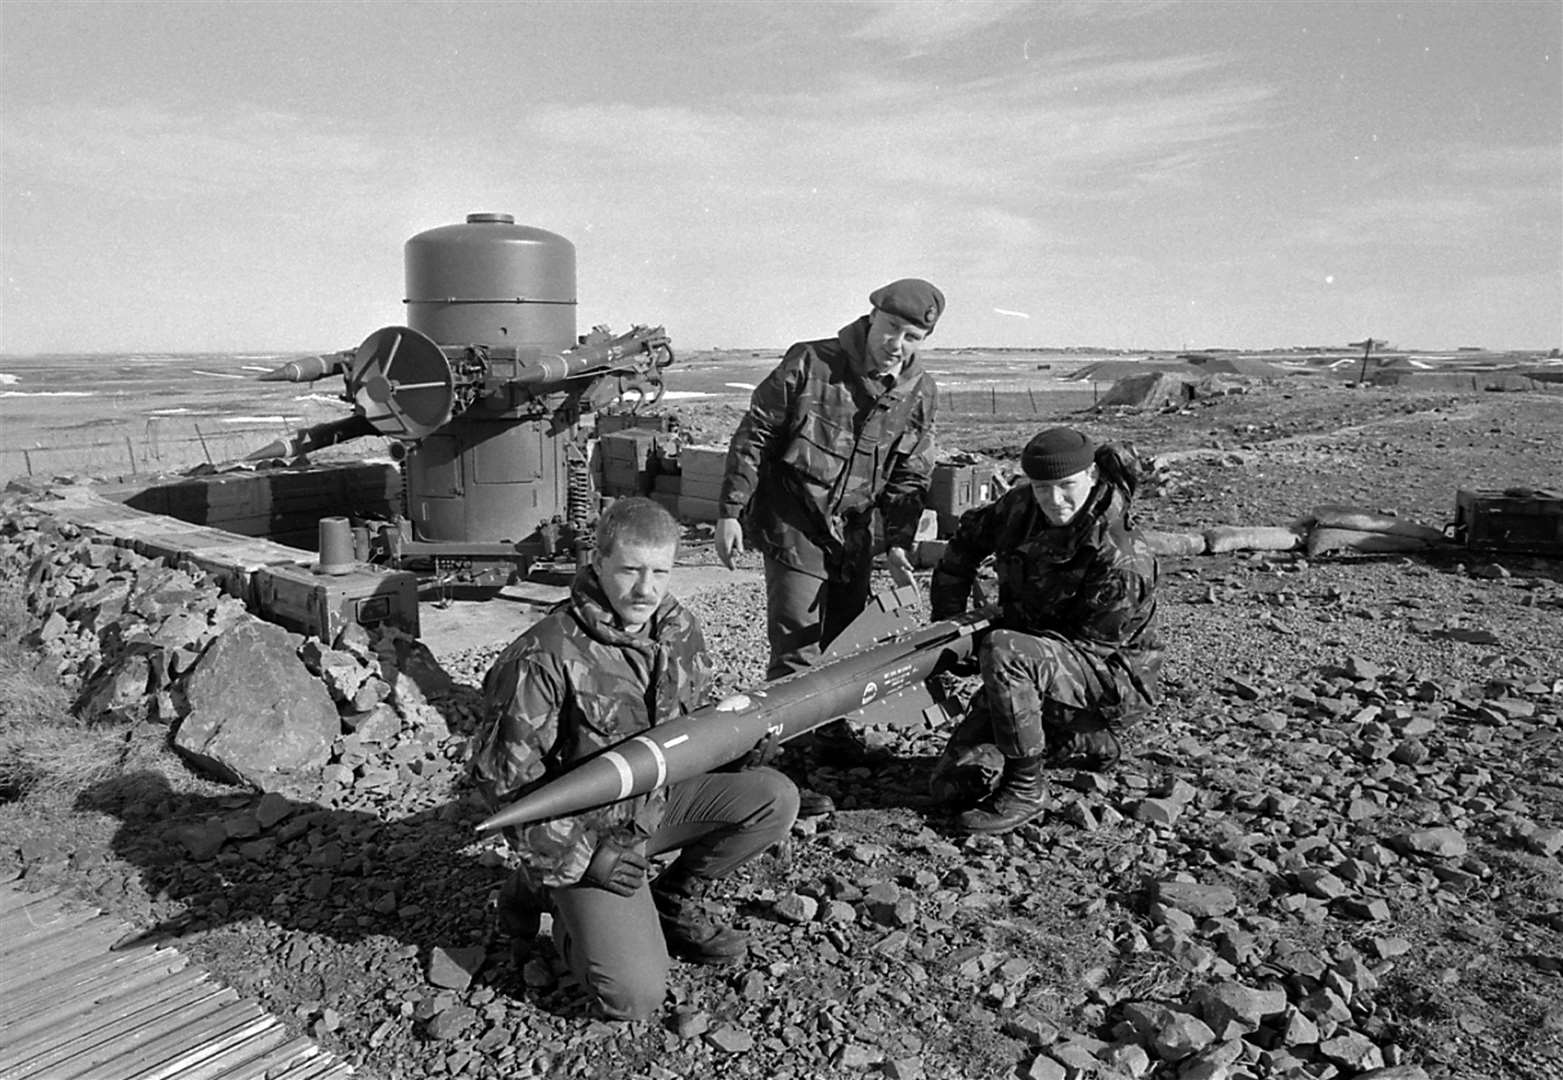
256, 715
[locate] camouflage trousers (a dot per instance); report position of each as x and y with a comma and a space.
1031, 682
1041, 695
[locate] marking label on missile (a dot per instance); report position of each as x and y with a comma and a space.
677, 740
870, 690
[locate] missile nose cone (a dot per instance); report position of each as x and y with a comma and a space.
270, 450
305, 369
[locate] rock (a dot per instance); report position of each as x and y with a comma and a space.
1031, 1029
1200, 901
1543, 841
451, 1022
1352, 1050
1043, 1067
730, 1040
1180, 1036
203, 840
856, 1055
1232, 1009
1442, 842
1394, 1072
453, 969
795, 908
256, 714
1156, 811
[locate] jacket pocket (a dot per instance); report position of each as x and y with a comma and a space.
819, 449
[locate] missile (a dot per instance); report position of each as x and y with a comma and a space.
879, 665
622, 352
309, 439
308, 368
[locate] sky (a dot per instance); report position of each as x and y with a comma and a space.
235, 176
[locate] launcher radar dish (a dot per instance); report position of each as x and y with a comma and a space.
402, 383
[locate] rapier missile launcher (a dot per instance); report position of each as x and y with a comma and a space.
878, 668
483, 395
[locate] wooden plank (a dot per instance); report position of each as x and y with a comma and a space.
317, 1066
205, 1062
25, 927
88, 975
56, 948
12, 898
278, 1062
90, 1062
64, 1033
215, 1027
106, 1001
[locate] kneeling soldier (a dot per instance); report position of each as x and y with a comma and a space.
621, 656
1074, 654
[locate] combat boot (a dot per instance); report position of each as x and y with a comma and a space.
691, 933
1022, 796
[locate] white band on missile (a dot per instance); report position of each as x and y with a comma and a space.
622, 767
658, 756
677, 740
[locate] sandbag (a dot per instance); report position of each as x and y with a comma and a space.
1250, 538
1356, 519
1166, 543
1322, 540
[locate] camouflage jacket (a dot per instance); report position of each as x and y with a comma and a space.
821, 447
1092, 581
568, 687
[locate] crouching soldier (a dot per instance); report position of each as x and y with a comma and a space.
622, 655
1074, 655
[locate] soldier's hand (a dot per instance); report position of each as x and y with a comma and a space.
763, 753
729, 540
619, 869
900, 566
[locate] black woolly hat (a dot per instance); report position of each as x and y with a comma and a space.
1057, 453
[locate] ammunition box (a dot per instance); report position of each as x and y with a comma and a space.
1515, 519
322, 604
694, 508
955, 489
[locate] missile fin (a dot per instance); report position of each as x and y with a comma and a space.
903, 708
887, 614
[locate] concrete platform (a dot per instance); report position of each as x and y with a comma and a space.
455, 626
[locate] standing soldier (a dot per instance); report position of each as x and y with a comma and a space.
622, 655
843, 426
1074, 654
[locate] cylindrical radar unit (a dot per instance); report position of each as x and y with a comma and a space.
492, 282
490, 474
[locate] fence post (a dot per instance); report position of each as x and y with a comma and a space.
131, 450
202, 437
1032, 395
28, 458
993, 400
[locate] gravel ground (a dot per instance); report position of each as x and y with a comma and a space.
1334, 849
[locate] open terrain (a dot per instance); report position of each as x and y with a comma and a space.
1352, 795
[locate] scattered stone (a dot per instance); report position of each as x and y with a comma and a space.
1200, 901
453, 969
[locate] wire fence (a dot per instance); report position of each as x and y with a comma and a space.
1025, 403
158, 448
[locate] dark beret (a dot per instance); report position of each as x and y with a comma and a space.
1057, 453
912, 299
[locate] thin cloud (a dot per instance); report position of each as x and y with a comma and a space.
923, 24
